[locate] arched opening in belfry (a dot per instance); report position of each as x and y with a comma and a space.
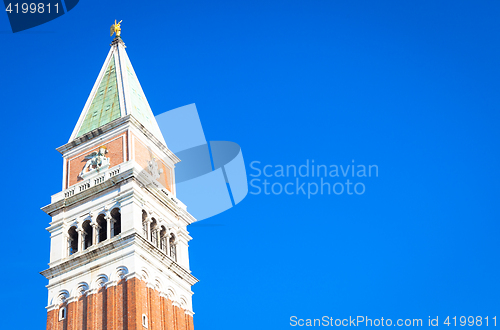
117, 219
163, 239
154, 232
73, 240
173, 247
102, 234
87, 234
145, 224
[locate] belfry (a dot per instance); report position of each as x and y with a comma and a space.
119, 244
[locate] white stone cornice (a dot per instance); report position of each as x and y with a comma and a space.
115, 244
54, 226
91, 192
92, 291
80, 258
167, 260
184, 235
92, 134
131, 275
115, 133
172, 204
125, 196
52, 307
188, 312
72, 299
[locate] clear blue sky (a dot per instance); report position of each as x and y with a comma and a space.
411, 86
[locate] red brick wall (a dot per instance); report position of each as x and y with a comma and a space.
52, 319
120, 308
143, 155
168, 313
115, 154
90, 311
155, 319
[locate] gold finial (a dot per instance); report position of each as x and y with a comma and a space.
115, 28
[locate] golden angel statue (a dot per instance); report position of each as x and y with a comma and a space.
115, 28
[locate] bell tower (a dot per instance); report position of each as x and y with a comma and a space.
119, 240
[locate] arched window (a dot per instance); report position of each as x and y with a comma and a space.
62, 313
173, 248
103, 228
72, 240
163, 239
144, 320
145, 223
87, 234
117, 217
154, 232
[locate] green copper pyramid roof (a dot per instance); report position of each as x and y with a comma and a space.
105, 106
116, 93
140, 108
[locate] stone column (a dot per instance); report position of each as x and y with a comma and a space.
110, 223
178, 249
149, 229
168, 242
95, 231
68, 247
81, 239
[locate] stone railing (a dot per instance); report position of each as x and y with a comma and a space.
99, 177
93, 180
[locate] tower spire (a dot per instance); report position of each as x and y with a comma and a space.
116, 93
